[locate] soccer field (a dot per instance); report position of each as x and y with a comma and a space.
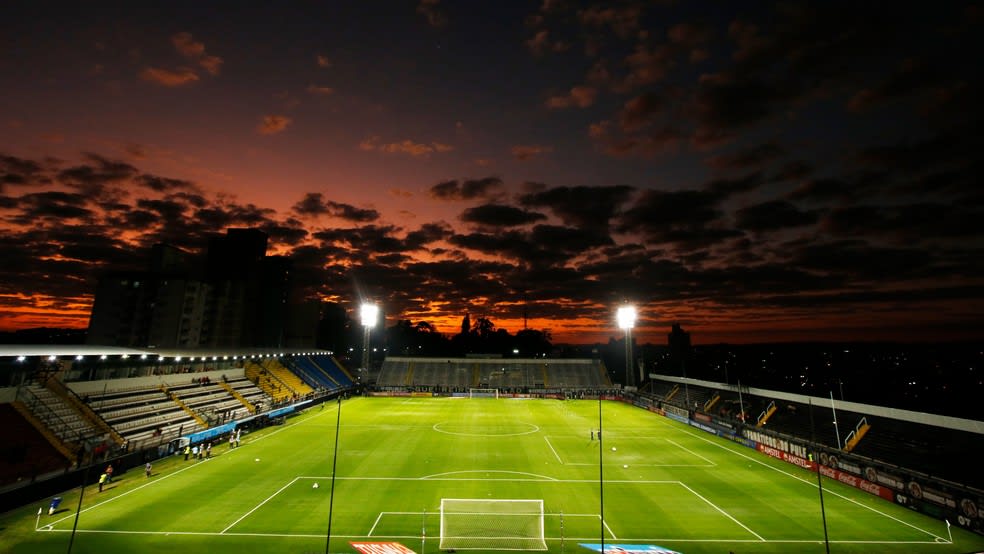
665, 484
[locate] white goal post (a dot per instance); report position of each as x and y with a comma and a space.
483, 393
494, 524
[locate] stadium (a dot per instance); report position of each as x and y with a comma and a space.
297, 454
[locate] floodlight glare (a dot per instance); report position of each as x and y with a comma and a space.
626, 317
369, 313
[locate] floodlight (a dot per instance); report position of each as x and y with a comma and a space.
369, 313
626, 317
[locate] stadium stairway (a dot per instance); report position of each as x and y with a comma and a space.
82, 409
174, 398
856, 435
763, 417
235, 394
287, 377
265, 381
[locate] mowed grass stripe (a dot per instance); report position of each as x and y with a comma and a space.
397, 460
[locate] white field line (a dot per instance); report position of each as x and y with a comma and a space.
244, 516
691, 452
546, 438
375, 523
121, 495
726, 514
644, 465
605, 523
814, 485
542, 479
412, 537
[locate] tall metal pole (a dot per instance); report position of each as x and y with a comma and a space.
334, 464
628, 357
78, 510
823, 512
365, 348
601, 476
836, 428
741, 403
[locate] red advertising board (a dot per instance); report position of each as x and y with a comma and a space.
381, 548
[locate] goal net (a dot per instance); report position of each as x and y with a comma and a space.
483, 393
473, 524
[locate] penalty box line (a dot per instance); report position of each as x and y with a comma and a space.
937, 538
257, 507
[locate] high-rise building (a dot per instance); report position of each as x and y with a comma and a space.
238, 297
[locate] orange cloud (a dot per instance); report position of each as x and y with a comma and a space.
187, 46
580, 96
166, 77
195, 50
323, 91
407, 146
526, 152
273, 124
322, 61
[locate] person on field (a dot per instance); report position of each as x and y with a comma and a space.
187, 451
148, 468
102, 481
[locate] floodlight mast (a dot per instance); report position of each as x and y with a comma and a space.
626, 317
369, 313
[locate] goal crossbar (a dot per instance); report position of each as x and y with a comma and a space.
492, 524
483, 393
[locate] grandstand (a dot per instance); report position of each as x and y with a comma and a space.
64, 413
918, 446
492, 373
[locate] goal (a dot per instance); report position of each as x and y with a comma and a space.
483, 393
475, 524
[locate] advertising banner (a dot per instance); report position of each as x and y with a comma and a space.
629, 548
381, 548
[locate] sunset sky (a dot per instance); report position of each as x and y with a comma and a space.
756, 171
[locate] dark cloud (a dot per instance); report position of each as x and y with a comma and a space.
52, 205
164, 184
314, 204
755, 156
773, 216
500, 215
99, 172
583, 206
466, 190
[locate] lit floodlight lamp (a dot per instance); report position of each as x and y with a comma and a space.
52, 358
78, 357
177, 358
103, 357
213, 358
626, 317
21, 358
143, 356
160, 358
124, 356
369, 314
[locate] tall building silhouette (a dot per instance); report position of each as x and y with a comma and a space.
236, 296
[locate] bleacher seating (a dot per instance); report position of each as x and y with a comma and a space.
498, 373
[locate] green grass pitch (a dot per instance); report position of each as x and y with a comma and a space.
665, 484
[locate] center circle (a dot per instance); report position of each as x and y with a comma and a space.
496, 430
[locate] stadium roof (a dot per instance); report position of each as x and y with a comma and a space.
73, 350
